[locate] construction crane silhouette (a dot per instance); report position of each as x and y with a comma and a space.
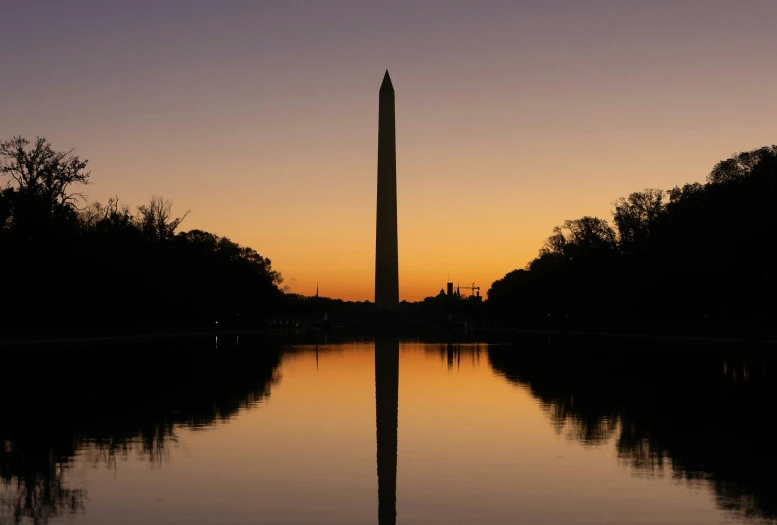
470, 288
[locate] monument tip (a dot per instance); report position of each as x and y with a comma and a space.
386, 85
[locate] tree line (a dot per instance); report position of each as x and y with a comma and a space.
68, 264
694, 255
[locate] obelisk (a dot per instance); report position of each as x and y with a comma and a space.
386, 251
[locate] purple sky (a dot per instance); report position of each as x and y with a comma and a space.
511, 116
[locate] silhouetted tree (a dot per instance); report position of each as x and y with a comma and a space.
580, 239
105, 218
106, 268
700, 259
637, 219
741, 166
42, 171
39, 196
156, 220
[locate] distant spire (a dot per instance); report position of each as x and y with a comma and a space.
317, 290
387, 85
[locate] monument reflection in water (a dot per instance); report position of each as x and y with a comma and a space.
386, 422
561, 431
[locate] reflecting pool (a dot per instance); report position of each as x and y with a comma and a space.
254, 429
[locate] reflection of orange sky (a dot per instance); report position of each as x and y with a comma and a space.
472, 448
263, 120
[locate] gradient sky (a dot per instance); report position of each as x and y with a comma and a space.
261, 117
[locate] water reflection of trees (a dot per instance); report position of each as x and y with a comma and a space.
109, 401
704, 411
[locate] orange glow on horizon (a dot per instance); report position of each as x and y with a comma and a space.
263, 120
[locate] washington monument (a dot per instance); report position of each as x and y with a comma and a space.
386, 252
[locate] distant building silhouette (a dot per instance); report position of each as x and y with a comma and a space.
386, 251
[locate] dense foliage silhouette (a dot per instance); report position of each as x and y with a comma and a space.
100, 266
694, 255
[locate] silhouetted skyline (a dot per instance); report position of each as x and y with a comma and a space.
695, 240
260, 117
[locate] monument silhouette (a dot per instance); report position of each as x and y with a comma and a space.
386, 420
386, 251
386, 300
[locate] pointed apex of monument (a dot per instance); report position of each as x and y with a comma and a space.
386, 85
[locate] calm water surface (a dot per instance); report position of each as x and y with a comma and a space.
256, 431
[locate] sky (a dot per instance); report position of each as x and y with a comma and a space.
511, 116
